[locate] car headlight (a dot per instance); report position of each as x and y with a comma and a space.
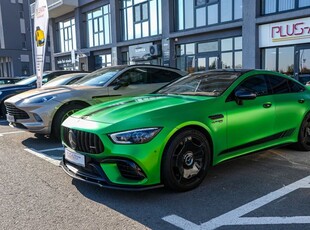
36, 100
137, 136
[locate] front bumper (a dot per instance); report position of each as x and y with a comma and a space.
36, 119
92, 173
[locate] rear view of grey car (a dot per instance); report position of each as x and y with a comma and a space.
42, 111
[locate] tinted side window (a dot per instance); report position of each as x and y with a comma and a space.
256, 84
295, 87
134, 76
283, 85
278, 84
162, 75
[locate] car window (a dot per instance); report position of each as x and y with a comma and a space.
134, 77
161, 75
201, 84
99, 77
255, 84
281, 85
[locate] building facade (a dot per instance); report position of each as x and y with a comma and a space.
192, 35
15, 39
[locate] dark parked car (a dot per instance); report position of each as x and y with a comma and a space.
10, 80
10, 90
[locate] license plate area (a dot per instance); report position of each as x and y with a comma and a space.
75, 158
10, 118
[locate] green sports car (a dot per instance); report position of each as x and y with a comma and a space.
172, 137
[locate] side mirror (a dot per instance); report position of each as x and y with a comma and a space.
120, 84
241, 95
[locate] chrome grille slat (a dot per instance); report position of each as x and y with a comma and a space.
17, 113
85, 142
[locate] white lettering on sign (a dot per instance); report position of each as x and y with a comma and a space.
285, 33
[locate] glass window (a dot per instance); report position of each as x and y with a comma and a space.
278, 84
238, 43
189, 14
190, 48
207, 47
98, 25
256, 84
227, 60
201, 16
238, 60
286, 5
212, 14
226, 10
67, 35
286, 60
141, 18
161, 76
270, 6
304, 3
295, 87
227, 44
273, 6
238, 9
270, 59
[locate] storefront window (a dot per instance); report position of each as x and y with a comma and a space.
274, 6
279, 59
103, 61
209, 55
98, 25
270, 59
67, 36
141, 18
193, 13
286, 60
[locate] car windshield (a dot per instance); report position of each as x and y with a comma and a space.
64, 79
202, 84
99, 77
27, 81
30, 80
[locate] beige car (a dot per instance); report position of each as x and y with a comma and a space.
42, 110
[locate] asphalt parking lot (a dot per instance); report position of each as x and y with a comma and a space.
266, 190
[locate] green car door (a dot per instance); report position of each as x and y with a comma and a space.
250, 120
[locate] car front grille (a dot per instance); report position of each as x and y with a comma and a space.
83, 141
17, 113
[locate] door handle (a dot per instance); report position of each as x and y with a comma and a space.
267, 105
301, 101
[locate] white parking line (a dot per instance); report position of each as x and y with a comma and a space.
8, 133
234, 217
44, 156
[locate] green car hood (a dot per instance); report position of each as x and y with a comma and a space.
126, 108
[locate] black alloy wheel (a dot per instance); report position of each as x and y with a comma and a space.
186, 160
303, 143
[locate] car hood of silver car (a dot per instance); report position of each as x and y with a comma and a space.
61, 93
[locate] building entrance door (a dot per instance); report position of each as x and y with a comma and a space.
207, 62
302, 63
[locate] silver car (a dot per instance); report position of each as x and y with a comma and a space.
43, 110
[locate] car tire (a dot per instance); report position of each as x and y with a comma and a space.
303, 143
60, 116
186, 160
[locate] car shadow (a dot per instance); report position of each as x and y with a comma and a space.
227, 186
40, 142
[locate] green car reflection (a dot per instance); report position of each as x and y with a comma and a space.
173, 137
